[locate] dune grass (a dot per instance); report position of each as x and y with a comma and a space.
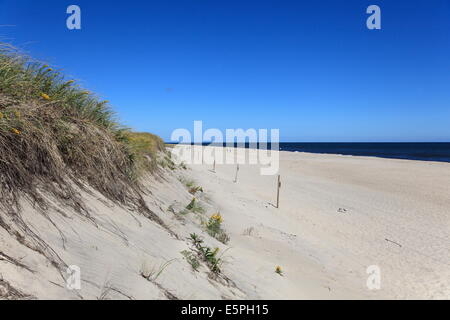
54, 134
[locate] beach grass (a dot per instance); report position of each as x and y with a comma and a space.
54, 134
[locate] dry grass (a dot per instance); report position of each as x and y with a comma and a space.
56, 139
53, 132
8, 292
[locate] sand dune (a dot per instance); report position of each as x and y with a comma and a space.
338, 215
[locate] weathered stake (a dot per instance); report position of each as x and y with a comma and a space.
278, 191
236, 177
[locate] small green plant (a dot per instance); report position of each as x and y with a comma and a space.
214, 228
191, 204
195, 207
192, 259
183, 165
207, 254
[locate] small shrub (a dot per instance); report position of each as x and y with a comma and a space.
214, 228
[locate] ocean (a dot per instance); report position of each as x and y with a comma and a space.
425, 151
411, 151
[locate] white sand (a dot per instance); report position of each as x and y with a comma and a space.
324, 253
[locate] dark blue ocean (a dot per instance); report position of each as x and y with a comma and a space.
426, 151
411, 151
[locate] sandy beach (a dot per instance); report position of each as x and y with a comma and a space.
338, 216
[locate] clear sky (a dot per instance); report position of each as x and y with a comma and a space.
310, 68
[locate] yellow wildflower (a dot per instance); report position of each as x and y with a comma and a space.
17, 114
45, 96
279, 270
1, 115
217, 217
14, 130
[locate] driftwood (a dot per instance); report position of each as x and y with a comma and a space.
396, 243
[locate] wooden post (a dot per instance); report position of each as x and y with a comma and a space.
237, 170
278, 191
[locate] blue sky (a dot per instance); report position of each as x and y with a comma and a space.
311, 69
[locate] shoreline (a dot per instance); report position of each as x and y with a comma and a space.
322, 153
280, 149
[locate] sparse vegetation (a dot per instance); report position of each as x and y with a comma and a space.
191, 186
153, 273
8, 292
189, 183
194, 190
249, 232
192, 259
183, 165
214, 228
167, 162
145, 147
195, 207
207, 254
279, 271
